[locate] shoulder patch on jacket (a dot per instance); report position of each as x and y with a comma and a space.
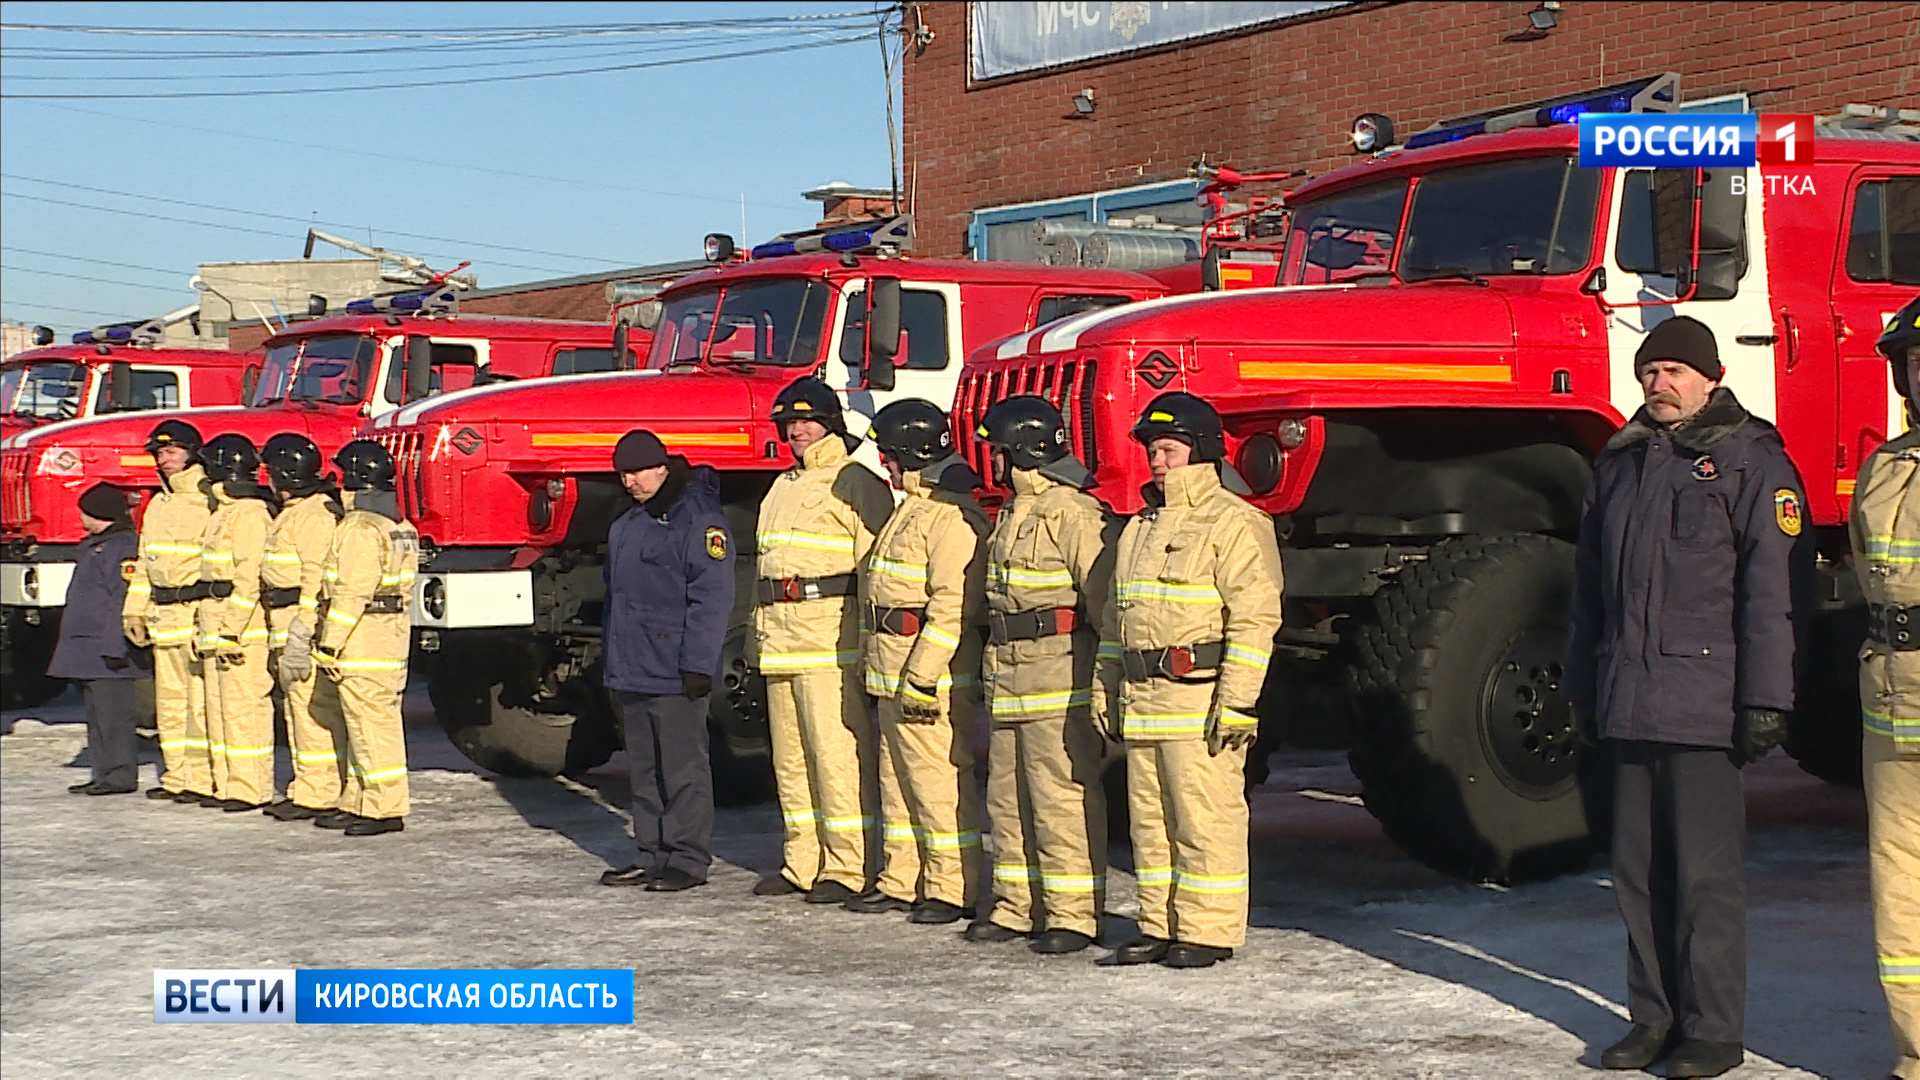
1786, 511
1705, 469
716, 543
127, 567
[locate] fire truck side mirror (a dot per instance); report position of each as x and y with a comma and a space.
883, 330
249, 381
120, 385
1723, 213
620, 346
1674, 195
1210, 270
419, 368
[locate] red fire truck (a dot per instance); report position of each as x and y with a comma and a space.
1418, 406
324, 378
513, 490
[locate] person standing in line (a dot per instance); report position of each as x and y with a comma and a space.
290, 578
1049, 583
1682, 655
233, 629
159, 609
922, 585
94, 652
669, 596
816, 525
364, 637
1885, 530
1197, 588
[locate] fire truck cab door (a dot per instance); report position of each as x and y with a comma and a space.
928, 364
1873, 277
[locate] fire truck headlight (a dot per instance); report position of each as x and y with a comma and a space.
433, 597
1372, 132
1261, 463
540, 509
1292, 432
30, 583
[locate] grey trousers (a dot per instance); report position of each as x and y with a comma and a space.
1679, 873
671, 780
112, 746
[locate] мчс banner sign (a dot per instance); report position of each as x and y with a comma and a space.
1009, 37
393, 996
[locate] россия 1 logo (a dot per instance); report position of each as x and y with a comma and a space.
1694, 140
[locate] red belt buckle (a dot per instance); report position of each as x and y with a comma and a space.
1179, 661
790, 588
909, 624
1064, 620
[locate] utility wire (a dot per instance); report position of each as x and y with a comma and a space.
437, 33
85, 259
31, 306
18, 269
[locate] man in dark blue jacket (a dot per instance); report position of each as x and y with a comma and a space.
1682, 653
669, 594
93, 651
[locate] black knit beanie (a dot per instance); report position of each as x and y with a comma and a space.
1685, 340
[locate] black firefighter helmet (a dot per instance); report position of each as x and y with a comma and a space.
293, 463
1901, 334
231, 458
175, 433
913, 432
1179, 415
365, 465
1028, 428
809, 399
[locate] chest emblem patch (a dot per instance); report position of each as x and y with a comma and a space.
1786, 511
716, 543
1705, 469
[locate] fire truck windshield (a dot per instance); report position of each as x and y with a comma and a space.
1530, 216
49, 391
770, 321
1344, 236
333, 368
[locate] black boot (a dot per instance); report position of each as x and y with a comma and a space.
375, 826
339, 819
1060, 942
1643, 1046
186, 798
79, 788
288, 810
936, 913
775, 885
235, 806
212, 802
990, 933
1141, 950
159, 793
627, 875
1698, 1057
674, 879
99, 788
1182, 955
829, 892
876, 903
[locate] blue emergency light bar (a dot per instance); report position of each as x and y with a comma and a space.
443, 299
895, 233
1660, 93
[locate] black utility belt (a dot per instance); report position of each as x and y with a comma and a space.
1894, 626
899, 621
199, 590
279, 598
1004, 628
792, 590
1187, 663
385, 604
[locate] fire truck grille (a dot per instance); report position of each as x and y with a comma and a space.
1068, 384
409, 469
16, 503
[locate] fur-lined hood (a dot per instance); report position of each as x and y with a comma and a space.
1720, 417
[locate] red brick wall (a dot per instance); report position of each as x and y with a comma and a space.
587, 301
1283, 97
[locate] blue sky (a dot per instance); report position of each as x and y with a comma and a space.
582, 173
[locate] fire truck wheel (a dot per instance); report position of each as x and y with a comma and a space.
517, 740
738, 744
1465, 748
23, 661
1824, 734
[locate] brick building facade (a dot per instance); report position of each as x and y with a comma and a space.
1281, 96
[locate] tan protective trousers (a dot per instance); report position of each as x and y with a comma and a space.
1893, 854
180, 714
823, 748
1049, 818
1189, 841
930, 805
240, 726
373, 673
317, 737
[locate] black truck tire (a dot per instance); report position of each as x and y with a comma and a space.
482, 697
1824, 733
738, 741
28, 648
1466, 750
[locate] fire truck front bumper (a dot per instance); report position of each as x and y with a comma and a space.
467, 599
35, 584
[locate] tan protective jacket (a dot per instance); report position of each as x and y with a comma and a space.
1885, 526
928, 556
296, 554
1198, 565
235, 538
170, 555
372, 555
818, 521
1049, 549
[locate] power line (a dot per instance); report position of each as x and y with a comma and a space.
636, 66
17, 269
85, 259
336, 33
31, 306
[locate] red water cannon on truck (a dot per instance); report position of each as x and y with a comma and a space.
324, 378
1419, 404
513, 488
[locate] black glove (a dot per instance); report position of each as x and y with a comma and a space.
1755, 732
1586, 726
115, 663
695, 686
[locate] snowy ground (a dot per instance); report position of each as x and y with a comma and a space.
1360, 964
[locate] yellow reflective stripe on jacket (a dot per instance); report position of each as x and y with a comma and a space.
775, 663
310, 603
939, 637
371, 665
1153, 875
1900, 970
216, 556
1898, 729
1188, 723
250, 751
281, 558
1241, 654
1211, 883
277, 638
1015, 872
800, 817
1073, 883
1892, 549
316, 757
912, 693
880, 684
1040, 704
1035, 579
895, 830
379, 776
155, 547
335, 615
952, 841
903, 571
240, 601
140, 585
1236, 718
841, 544
170, 637
847, 824
1168, 592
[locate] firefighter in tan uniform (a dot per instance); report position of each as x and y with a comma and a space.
1049, 582
232, 628
363, 638
290, 574
1196, 607
816, 525
159, 609
921, 586
1886, 556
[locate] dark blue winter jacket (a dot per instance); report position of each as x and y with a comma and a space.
92, 644
1694, 548
669, 585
